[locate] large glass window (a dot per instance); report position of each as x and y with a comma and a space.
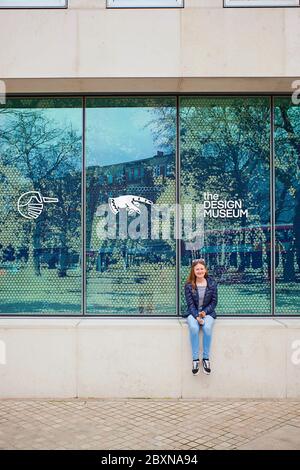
166, 180
130, 169
287, 206
225, 166
40, 220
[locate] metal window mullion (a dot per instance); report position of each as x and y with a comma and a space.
272, 209
83, 212
178, 215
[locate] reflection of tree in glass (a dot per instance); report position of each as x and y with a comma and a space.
287, 150
47, 157
224, 144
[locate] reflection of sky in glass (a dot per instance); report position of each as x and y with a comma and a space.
116, 135
66, 118
62, 119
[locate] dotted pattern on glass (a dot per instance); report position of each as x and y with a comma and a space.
130, 146
225, 152
287, 203
40, 219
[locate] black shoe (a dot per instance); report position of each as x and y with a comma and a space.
206, 366
195, 368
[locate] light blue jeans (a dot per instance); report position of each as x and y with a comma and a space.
194, 328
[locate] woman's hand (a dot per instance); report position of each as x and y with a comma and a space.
202, 314
200, 320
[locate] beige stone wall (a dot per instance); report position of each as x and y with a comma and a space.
201, 40
147, 358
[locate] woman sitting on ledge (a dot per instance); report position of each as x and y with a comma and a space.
201, 295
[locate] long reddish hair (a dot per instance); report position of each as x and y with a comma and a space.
192, 276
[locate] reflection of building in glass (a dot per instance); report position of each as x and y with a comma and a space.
136, 177
145, 177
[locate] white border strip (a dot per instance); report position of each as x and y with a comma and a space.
144, 3
261, 3
33, 3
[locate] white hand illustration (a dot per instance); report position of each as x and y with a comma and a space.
31, 204
130, 203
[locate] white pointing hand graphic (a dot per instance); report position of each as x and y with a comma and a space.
31, 204
130, 203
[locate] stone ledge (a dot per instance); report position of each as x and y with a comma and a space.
182, 84
128, 322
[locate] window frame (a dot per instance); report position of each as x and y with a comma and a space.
274, 313
130, 4
256, 4
50, 4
